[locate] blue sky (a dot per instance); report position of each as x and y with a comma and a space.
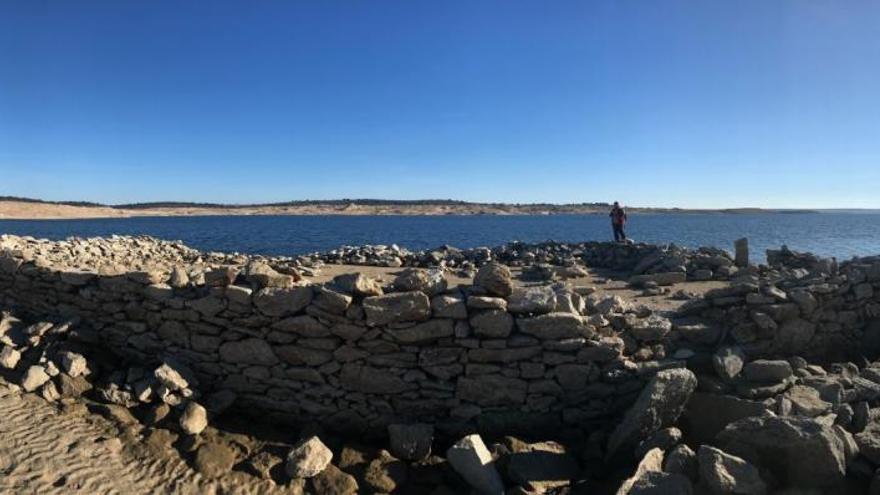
692, 104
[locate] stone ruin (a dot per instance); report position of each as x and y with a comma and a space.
728, 373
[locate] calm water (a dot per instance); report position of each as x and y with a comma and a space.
830, 234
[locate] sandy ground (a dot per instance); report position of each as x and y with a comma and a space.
46, 449
23, 210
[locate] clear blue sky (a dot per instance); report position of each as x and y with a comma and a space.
692, 104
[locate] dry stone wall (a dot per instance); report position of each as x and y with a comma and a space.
351, 355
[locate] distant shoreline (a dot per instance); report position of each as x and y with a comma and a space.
30, 209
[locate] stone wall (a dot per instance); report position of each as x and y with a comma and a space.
352, 354
800, 305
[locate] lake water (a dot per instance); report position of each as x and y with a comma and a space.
829, 234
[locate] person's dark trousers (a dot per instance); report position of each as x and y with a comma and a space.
619, 234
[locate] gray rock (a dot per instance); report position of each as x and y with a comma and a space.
650, 329
799, 452
275, 301
492, 324
431, 282
214, 459
535, 300
728, 362
470, 458
682, 460
492, 390
370, 380
555, 326
397, 307
664, 278
658, 406
449, 306
411, 442
794, 335
248, 351
308, 458
649, 479
424, 332
767, 371
724, 473
542, 467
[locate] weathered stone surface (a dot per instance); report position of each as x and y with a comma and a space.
385, 474
470, 458
794, 335
868, 441
308, 458
449, 306
724, 473
370, 380
495, 279
334, 481
9, 357
331, 301
431, 282
556, 326
214, 459
728, 362
806, 401
541, 467
358, 284
173, 375
492, 390
248, 351
799, 452
34, 378
397, 307
274, 301
535, 300
302, 325
194, 419
492, 324
421, 333
658, 406
651, 329
649, 479
411, 442
767, 371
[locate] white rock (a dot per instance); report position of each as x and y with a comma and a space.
194, 419
34, 378
308, 458
9, 357
74, 364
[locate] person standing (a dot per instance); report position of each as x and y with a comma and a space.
618, 220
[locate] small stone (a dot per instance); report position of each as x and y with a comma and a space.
308, 458
411, 442
9, 357
725, 473
34, 378
194, 419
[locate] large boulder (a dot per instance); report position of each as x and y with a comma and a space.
492, 323
308, 458
658, 406
495, 279
650, 329
649, 479
721, 472
470, 458
397, 307
540, 467
798, 452
707, 414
